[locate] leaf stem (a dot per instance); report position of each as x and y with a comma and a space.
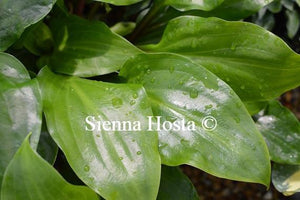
155, 8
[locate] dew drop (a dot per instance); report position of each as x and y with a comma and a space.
135, 95
193, 93
98, 135
148, 71
121, 158
117, 102
242, 87
86, 168
181, 82
171, 69
132, 102
208, 107
153, 80
237, 119
138, 153
133, 140
233, 46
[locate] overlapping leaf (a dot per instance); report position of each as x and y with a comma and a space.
180, 90
120, 2
258, 65
184, 5
286, 178
17, 15
281, 130
30, 177
20, 108
85, 48
116, 164
175, 185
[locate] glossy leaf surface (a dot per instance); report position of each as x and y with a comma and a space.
286, 178
281, 130
87, 48
175, 185
258, 65
21, 108
17, 15
184, 5
120, 2
180, 90
116, 164
30, 177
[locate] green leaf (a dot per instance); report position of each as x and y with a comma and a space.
258, 65
298, 2
38, 39
230, 147
17, 15
281, 130
234, 9
87, 48
293, 22
21, 108
286, 178
123, 28
30, 177
120, 2
275, 6
116, 164
288, 4
184, 5
175, 185
47, 148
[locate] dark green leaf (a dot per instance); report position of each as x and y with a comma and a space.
281, 130
17, 15
47, 147
258, 65
120, 2
85, 48
184, 5
175, 185
21, 108
180, 90
286, 178
234, 9
30, 177
123, 28
116, 164
38, 39
275, 6
293, 22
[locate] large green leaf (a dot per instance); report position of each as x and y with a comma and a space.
235, 9
120, 2
229, 10
85, 48
175, 185
258, 65
192, 4
30, 177
21, 108
180, 90
281, 130
116, 164
17, 15
286, 178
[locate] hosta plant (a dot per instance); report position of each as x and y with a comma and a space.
128, 90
